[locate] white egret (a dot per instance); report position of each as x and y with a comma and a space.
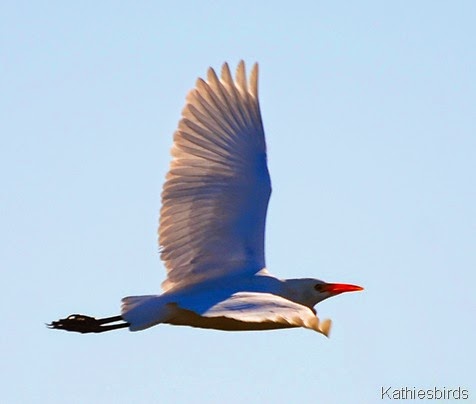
212, 226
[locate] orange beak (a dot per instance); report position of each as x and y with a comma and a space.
337, 288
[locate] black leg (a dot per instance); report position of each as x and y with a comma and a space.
85, 324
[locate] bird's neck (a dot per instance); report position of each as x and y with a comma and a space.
299, 291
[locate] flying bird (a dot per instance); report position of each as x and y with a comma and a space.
212, 226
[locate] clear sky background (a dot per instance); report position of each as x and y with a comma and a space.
369, 111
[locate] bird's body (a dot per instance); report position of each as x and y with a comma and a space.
212, 226
255, 302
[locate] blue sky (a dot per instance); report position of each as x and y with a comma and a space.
368, 109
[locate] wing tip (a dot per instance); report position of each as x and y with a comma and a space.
325, 327
249, 85
254, 80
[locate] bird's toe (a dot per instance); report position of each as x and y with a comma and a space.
76, 322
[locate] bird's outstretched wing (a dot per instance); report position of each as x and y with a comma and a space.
216, 193
250, 311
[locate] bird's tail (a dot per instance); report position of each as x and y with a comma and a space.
142, 312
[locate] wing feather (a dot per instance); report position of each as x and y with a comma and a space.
216, 193
256, 311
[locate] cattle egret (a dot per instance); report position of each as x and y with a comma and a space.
212, 226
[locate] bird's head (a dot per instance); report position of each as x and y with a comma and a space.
309, 292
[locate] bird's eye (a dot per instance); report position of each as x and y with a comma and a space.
319, 287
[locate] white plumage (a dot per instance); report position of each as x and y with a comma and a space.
212, 226
216, 192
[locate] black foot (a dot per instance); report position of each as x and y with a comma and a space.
85, 324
